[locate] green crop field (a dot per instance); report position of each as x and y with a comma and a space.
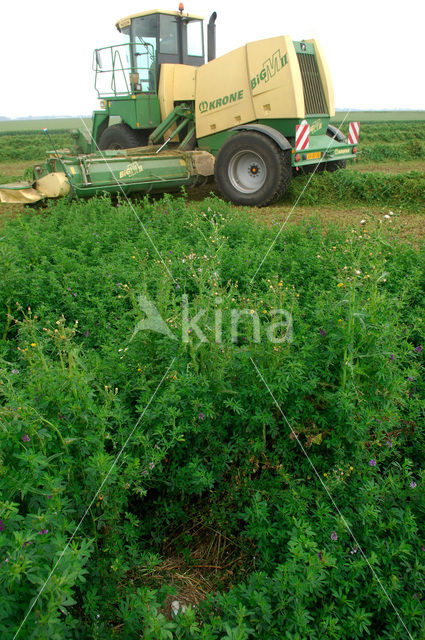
379, 116
62, 124
216, 406
75, 123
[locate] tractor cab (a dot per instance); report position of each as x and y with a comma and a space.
127, 75
158, 37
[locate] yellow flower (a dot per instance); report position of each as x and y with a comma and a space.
33, 344
351, 468
340, 284
326, 475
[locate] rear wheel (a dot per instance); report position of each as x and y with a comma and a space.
121, 136
250, 169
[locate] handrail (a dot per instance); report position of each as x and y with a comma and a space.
118, 70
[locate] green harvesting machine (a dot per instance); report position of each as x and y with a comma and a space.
252, 118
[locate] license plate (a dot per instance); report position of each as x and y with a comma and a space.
313, 156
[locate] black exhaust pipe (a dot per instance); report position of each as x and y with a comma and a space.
211, 36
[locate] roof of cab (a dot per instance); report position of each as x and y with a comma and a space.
124, 22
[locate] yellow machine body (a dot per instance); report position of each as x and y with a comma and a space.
259, 81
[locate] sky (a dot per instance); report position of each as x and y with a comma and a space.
374, 49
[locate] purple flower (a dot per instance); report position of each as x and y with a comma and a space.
15, 371
392, 357
151, 465
201, 415
25, 438
413, 485
86, 334
353, 550
422, 547
372, 463
389, 443
49, 497
418, 349
410, 379
177, 286
319, 555
43, 532
27, 543
1, 525
334, 535
322, 333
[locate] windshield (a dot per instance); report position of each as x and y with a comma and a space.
143, 33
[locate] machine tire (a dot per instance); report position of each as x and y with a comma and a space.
121, 136
248, 157
337, 164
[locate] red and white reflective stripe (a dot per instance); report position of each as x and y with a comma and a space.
302, 136
353, 132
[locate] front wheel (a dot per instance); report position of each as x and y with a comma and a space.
250, 169
121, 136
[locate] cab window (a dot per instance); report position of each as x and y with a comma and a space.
168, 35
195, 44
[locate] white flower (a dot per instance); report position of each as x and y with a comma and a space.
387, 216
362, 221
391, 213
358, 272
176, 607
